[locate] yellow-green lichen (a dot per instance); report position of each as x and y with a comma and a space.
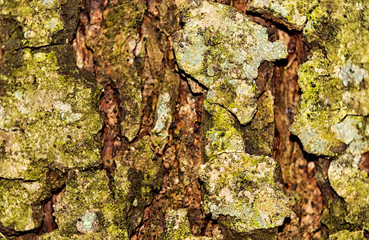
88, 208
242, 187
333, 79
42, 23
352, 185
49, 123
259, 134
222, 49
112, 233
292, 13
19, 204
345, 176
142, 157
238, 96
221, 133
345, 235
177, 225
332, 215
50, 115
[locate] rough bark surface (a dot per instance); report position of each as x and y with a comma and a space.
181, 119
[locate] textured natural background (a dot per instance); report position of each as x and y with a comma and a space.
180, 119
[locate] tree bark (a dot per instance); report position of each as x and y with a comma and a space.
180, 119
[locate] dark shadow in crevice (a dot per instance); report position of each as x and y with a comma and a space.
286, 221
275, 23
186, 76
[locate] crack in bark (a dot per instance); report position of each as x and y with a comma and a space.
298, 173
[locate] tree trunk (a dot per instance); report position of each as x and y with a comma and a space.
181, 119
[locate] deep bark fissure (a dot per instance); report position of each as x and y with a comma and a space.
297, 171
48, 222
288, 150
165, 199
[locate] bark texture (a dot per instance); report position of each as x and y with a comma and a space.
181, 119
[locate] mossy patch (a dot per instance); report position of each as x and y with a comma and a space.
49, 123
242, 187
142, 157
291, 13
331, 118
87, 208
19, 204
333, 79
40, 23
221, 133
259, 134
222, 50
344, 235
50, 116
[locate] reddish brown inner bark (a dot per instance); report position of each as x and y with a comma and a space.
297, 172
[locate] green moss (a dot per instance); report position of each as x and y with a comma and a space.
333, 106
131, 104
340, 26
221, 134
111, 233
130, 201
238, 185
212, 36
142, 157
332, 79
332, 216
50, 114
270, 234
50, 122
319, 107
138, 174
89, 194
344, 235
177, 225
259, 134
237, 96
222, 49
19, 204
41, 22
